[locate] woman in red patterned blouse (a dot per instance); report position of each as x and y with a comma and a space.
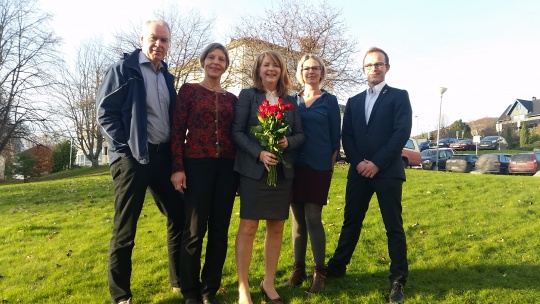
203, 160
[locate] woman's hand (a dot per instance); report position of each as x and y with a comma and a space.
284, 143
178, 179
268, 159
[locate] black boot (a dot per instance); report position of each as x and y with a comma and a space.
298, 275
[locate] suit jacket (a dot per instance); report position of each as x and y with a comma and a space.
383, 137
248, 147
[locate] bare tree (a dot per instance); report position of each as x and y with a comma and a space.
287, 28
76, 97
28, 51
190, 33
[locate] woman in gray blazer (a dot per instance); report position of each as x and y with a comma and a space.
258, 200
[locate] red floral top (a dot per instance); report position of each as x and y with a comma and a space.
201, 126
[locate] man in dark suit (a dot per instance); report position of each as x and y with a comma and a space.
376, 125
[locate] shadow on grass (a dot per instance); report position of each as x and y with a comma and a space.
437, 283
434, 284
424, 285
474, 278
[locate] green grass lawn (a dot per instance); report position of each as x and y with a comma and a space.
471, 239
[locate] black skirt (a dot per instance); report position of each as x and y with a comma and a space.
259, 201
311, 186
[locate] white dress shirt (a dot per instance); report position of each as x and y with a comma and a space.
371, 96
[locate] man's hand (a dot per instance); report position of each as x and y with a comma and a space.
367, 169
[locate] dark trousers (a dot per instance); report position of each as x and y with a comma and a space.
131, 179
211, 187
357, 198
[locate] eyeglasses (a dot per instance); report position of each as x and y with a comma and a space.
313, 68
376, 65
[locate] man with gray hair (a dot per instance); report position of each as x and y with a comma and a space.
135, 103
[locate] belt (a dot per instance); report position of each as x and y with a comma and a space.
159, 147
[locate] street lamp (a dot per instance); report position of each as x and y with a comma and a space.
441, 91
417, 134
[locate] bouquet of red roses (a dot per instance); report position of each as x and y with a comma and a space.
272, 128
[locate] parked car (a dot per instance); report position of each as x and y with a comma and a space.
461, 163
446, 142
524, 163
463, 145
410, 155
493, 163
426, 145
429, 158
492, 143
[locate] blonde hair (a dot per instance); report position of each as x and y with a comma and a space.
284, 84
300, 76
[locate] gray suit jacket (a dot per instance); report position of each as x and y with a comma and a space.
248, 147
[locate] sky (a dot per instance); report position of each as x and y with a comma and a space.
486, 52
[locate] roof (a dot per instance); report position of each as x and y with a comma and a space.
532, 107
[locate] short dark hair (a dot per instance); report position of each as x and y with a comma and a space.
376, 50
211, 47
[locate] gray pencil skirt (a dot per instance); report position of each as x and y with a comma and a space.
258, 201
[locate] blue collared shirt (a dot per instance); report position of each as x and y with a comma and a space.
371, 97
157, 101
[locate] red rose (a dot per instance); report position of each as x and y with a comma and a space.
273, 126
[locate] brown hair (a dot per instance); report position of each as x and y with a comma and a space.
284, 84
376, 50
304, 58
209, 48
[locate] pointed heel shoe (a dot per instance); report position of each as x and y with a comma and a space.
273, 301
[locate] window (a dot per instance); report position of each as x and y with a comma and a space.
409, 144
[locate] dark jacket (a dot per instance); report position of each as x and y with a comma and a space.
121, 108
248, 147
383, 138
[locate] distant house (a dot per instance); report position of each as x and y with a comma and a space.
521, 112
82, 161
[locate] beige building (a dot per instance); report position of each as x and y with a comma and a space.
521, 112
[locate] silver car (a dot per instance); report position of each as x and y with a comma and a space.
492, 143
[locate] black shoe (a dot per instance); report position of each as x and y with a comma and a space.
210, 301
273, 301
331, 273
397, 293
193, 301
